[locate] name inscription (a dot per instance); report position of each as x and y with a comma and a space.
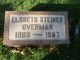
32, 27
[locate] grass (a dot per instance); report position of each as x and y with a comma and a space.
60, 52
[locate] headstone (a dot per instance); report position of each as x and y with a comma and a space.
35, 28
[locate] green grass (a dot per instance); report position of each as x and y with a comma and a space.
60, 52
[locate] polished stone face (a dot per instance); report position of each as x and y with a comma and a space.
32, 27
